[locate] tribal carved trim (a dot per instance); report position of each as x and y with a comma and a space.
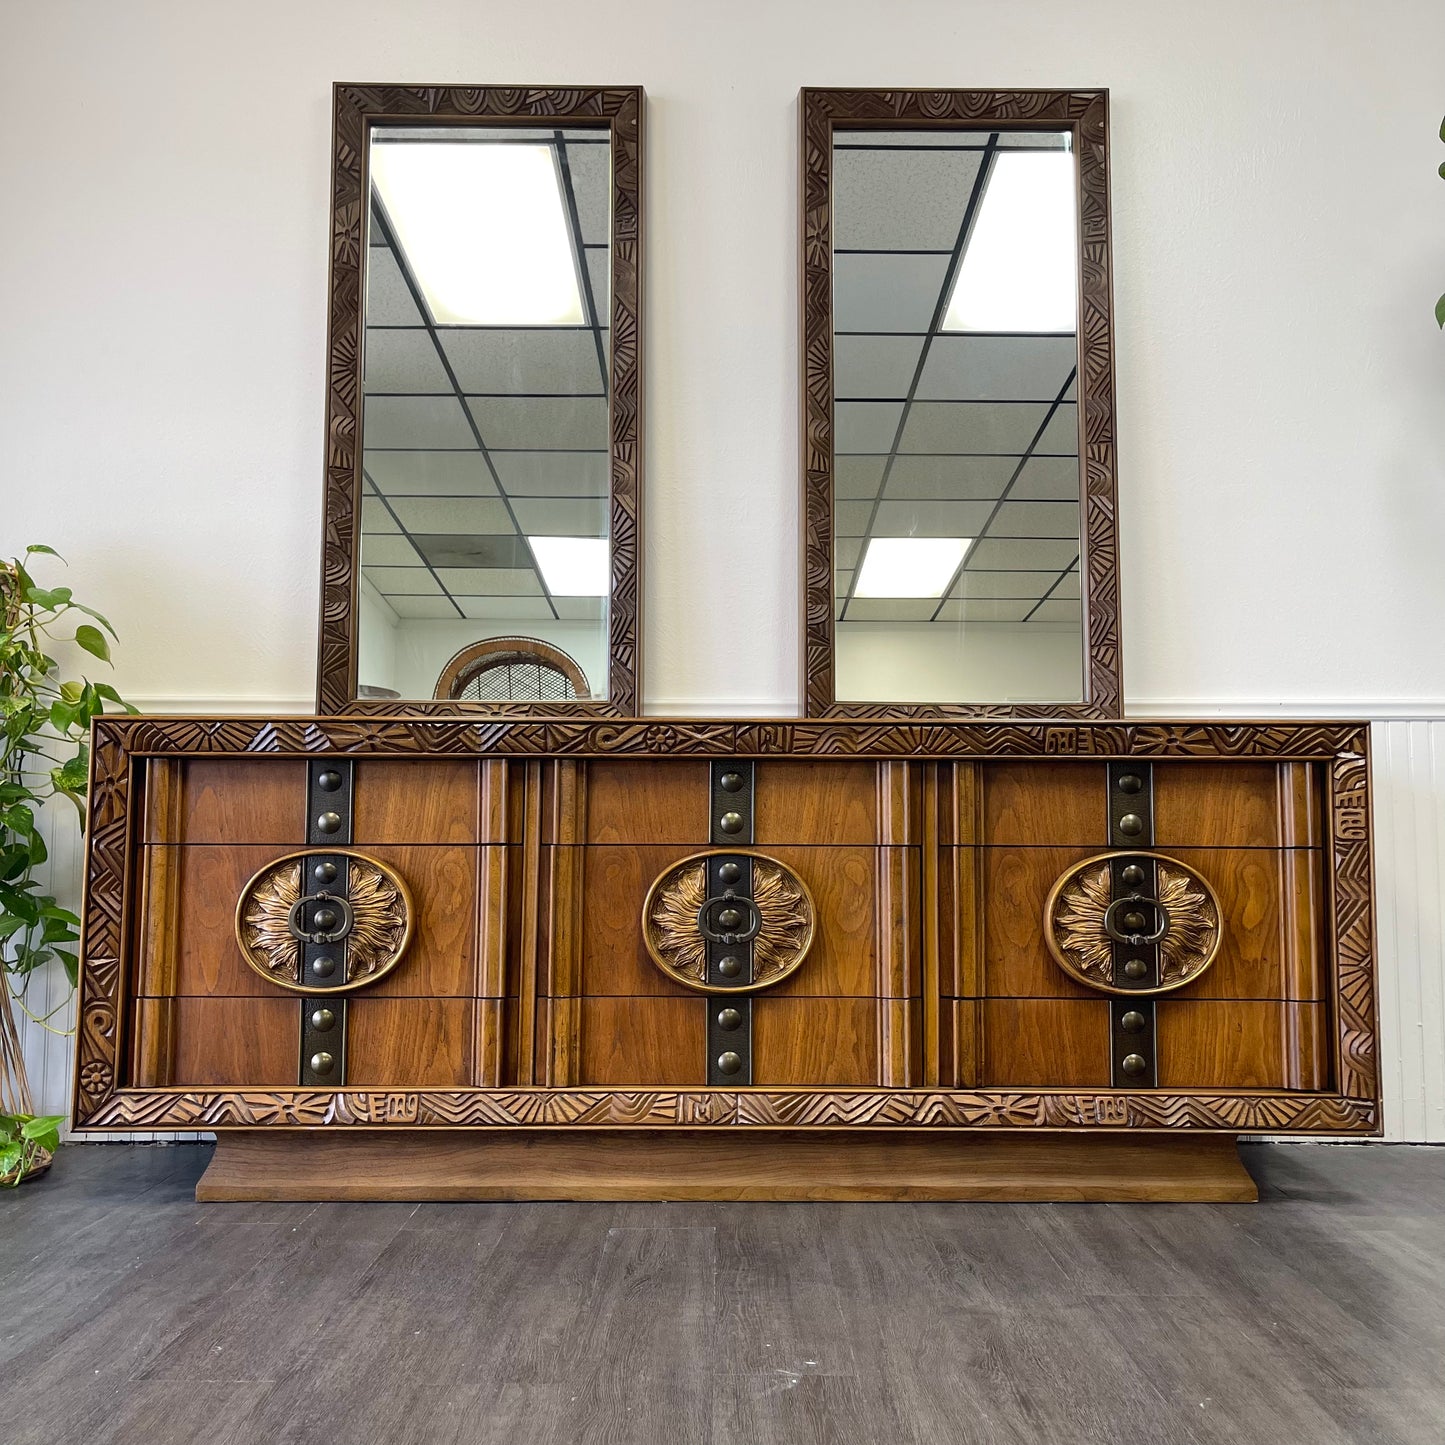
1085, 114
720, 1108
356, 107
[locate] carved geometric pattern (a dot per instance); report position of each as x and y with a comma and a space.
355, 105
120, 743
1086, 115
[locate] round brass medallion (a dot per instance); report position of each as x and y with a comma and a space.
363, 931
776, 919
1084, 920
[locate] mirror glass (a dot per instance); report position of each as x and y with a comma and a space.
956, 432
485, 413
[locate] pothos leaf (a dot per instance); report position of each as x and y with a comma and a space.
93, 641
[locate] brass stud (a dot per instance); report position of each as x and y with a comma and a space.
731, 782
729, 918
1135, 968
1133, 875
323, 1020
728, 1018
1134, 1065
324, 872
729, 1063
730, 967
322, 1063
1134, 922
729, 822
1131, 783
323, 967
1131, 825
1132, 1022
325, 919
329, 781
729, 873
329, 823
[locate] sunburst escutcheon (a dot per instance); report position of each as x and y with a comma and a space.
1182, 915
786, 919
371, 921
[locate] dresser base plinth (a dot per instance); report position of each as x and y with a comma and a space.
761, 1165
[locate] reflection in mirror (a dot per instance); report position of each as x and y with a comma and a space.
485, 406
956, 430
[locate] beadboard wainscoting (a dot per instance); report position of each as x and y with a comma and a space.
1409, 816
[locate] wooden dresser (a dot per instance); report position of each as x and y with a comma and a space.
472, 958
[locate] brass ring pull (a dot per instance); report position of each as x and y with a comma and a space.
1135, 940
320, 935
729, 935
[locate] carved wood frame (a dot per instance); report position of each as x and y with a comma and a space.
356, 109
103, 1100
1085, 115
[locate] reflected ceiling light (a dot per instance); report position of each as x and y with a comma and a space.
910, 566
573, 566
1020, 271
483, 229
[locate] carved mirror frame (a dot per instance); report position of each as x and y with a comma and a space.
1084, 114
357, 109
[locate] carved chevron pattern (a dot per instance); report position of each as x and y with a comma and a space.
1086, 114
621, 108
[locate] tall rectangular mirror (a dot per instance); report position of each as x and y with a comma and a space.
960, 547
483, 468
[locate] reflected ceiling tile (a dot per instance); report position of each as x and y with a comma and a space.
850, 519
874, 366
553, 474
1034, 140
436, 423
447, 474
388, 301
865, 426
895, 200
954, 138
403, 361
599, 269
553, 360
891, 609
1061, 436
591, 170
984, 609
424, 608
949, 478
580, 609
480, 515
489, 582
387, 549
1067, 586
845, 552
563, 517
1037, 519
931, 519
542, 423
1058, 609
997, 368
402, 581
992, 555
1029, 585
972, 426
468, 550
512, 609
886, 293
857, 478
375, 517
1048, 479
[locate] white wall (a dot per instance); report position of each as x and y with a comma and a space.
1279, 242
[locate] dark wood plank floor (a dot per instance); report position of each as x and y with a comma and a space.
128, 1313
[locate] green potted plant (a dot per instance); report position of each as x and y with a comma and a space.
45, 754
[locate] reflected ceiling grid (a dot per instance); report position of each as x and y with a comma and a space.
384, 239
987, 151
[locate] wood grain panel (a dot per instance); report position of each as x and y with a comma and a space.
192, 914
961, 1024
153, 1053
237, 1042
1046, 1043
410, 1042
1216, 805
1046, 804
1016, 960
656, 802
234, 800
1224, 1045
815, 1041
799, 802
632, 1041
431, 800
842, 961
